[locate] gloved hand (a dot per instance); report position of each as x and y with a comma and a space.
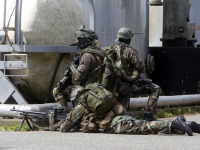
73, 67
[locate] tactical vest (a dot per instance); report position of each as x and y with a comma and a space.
95, 68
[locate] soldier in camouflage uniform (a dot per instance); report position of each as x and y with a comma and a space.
124, 124
129, 125
132, 67
88, 70
90, 62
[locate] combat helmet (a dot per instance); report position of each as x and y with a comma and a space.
124, 33
85, 37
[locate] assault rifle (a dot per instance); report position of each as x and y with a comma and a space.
67, 76
141, 85
56, 114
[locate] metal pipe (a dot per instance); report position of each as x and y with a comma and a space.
4, 17
164, 101
5, 109
18, 33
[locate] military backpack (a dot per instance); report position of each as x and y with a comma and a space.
111, 72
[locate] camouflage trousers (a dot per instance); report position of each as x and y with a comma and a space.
126, 91
73, 118
129, 125
63, 97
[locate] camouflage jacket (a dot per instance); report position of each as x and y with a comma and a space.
90, 59
128, 57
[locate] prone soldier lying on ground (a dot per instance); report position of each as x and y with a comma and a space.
117, 121
97, 108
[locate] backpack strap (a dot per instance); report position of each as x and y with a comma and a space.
93, 51
120, 50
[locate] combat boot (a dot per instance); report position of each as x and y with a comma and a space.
194, 126
180, 124
149, 117
66, 126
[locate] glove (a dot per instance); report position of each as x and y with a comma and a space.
73, 67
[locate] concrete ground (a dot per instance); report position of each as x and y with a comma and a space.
47, 140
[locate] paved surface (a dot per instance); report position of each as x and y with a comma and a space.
47, 140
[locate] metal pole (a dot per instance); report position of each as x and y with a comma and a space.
4, 18
163, 101
18, 33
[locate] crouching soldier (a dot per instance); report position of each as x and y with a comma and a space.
83, 71
132, 67
93, 104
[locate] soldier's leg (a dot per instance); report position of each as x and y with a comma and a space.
152, 127
62, 98
124, 91
73, 118
154, 93
128, 125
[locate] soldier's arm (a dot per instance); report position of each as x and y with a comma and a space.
132, 57
83, 68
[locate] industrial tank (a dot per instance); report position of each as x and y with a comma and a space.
45, 22
48, 22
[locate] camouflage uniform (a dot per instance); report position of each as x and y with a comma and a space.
129, 125
122, 124
85, 72
131, 63
73, 118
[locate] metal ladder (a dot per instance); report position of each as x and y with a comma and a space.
7, 89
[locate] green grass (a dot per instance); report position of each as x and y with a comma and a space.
176, 112
14, 128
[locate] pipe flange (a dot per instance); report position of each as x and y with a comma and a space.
150, 63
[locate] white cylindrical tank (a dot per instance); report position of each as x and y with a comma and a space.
45, 22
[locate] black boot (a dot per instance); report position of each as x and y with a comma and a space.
149, 117
194, 126
180, 124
